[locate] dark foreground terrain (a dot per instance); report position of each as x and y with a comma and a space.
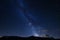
25, 38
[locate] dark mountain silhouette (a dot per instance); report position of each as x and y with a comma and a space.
25, 38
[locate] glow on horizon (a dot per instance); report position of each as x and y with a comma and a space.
34, 33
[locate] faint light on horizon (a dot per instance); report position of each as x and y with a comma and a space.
35, 34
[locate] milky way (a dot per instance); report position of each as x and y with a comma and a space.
26, 15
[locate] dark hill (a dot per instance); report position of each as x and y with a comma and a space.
26, 38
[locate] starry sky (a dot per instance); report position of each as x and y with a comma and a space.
17, 17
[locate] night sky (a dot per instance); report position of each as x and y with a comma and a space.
29, 17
